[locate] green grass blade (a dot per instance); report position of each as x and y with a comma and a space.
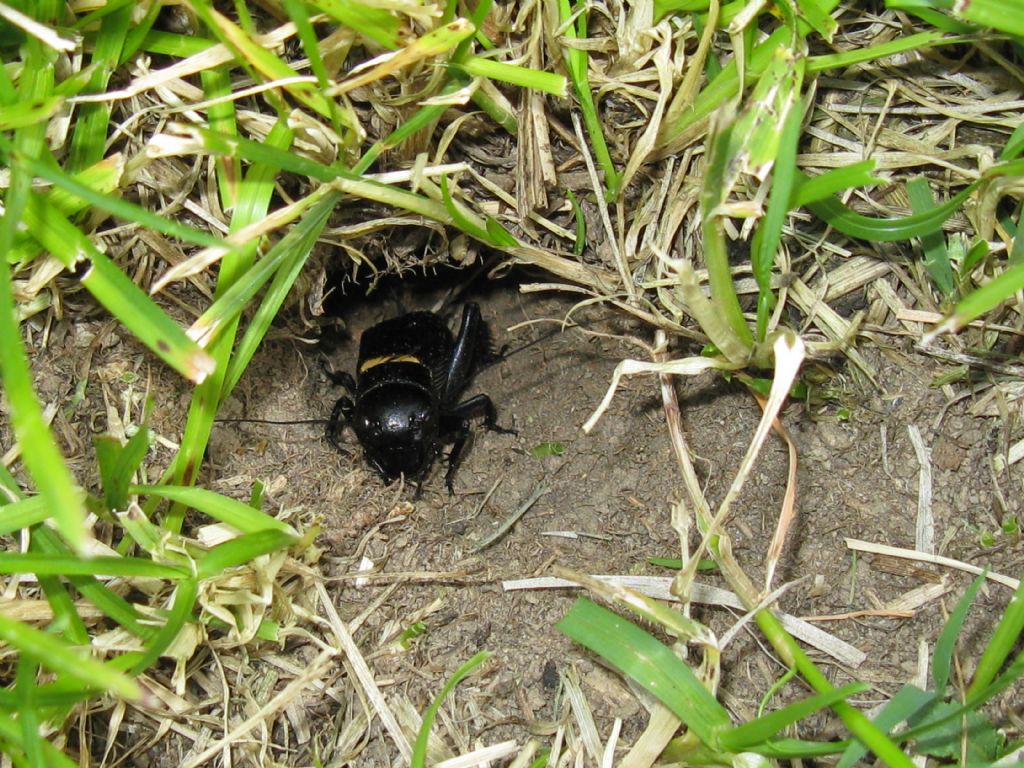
477, 18
987, 297
858, 724
400, 198
974, 256
117, 464
808, 190
10, 491
936, 255
546, 82
256, 152
230, 299
307, 36
902, 44
139, 30
24, 114
104, 177
11, 744
262, 63
577, 62
756, 136
23, 513
116, 291
768, 235
9, 95
1002, 15
226, 309
376, 24
816, 15
42, 458
423, 117
419, 752
75, 83
115, 607
465, 223
90, 128
175, 45
650, 664
25, 685
716, 257
1014, 672
907, 703
711, 319
46, 542
114, 205
923, 10
49, 696
143, 533
1014, 145
185, 593
662, 7
498, 235
56, 656
1016, 255
107, 450
762, 729
497, 111
65, 614
308, 230
428, 115
71, 565
82, 23
242, 550
798, 749
221, 118
724, 86
128, 462
1005, 637
343, 181
235, 513
296, 10
837, 215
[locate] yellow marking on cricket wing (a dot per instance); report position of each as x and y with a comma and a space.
373, 362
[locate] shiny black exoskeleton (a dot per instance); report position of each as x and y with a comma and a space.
403, 402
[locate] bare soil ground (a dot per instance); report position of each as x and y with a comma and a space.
606, 510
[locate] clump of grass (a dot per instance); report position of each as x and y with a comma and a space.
938, 722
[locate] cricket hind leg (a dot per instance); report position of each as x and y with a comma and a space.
476, 406
464, 353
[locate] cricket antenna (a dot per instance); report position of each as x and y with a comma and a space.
505, 353
271, 421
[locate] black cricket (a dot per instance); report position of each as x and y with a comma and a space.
403, 403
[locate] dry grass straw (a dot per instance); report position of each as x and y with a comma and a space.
923, 557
